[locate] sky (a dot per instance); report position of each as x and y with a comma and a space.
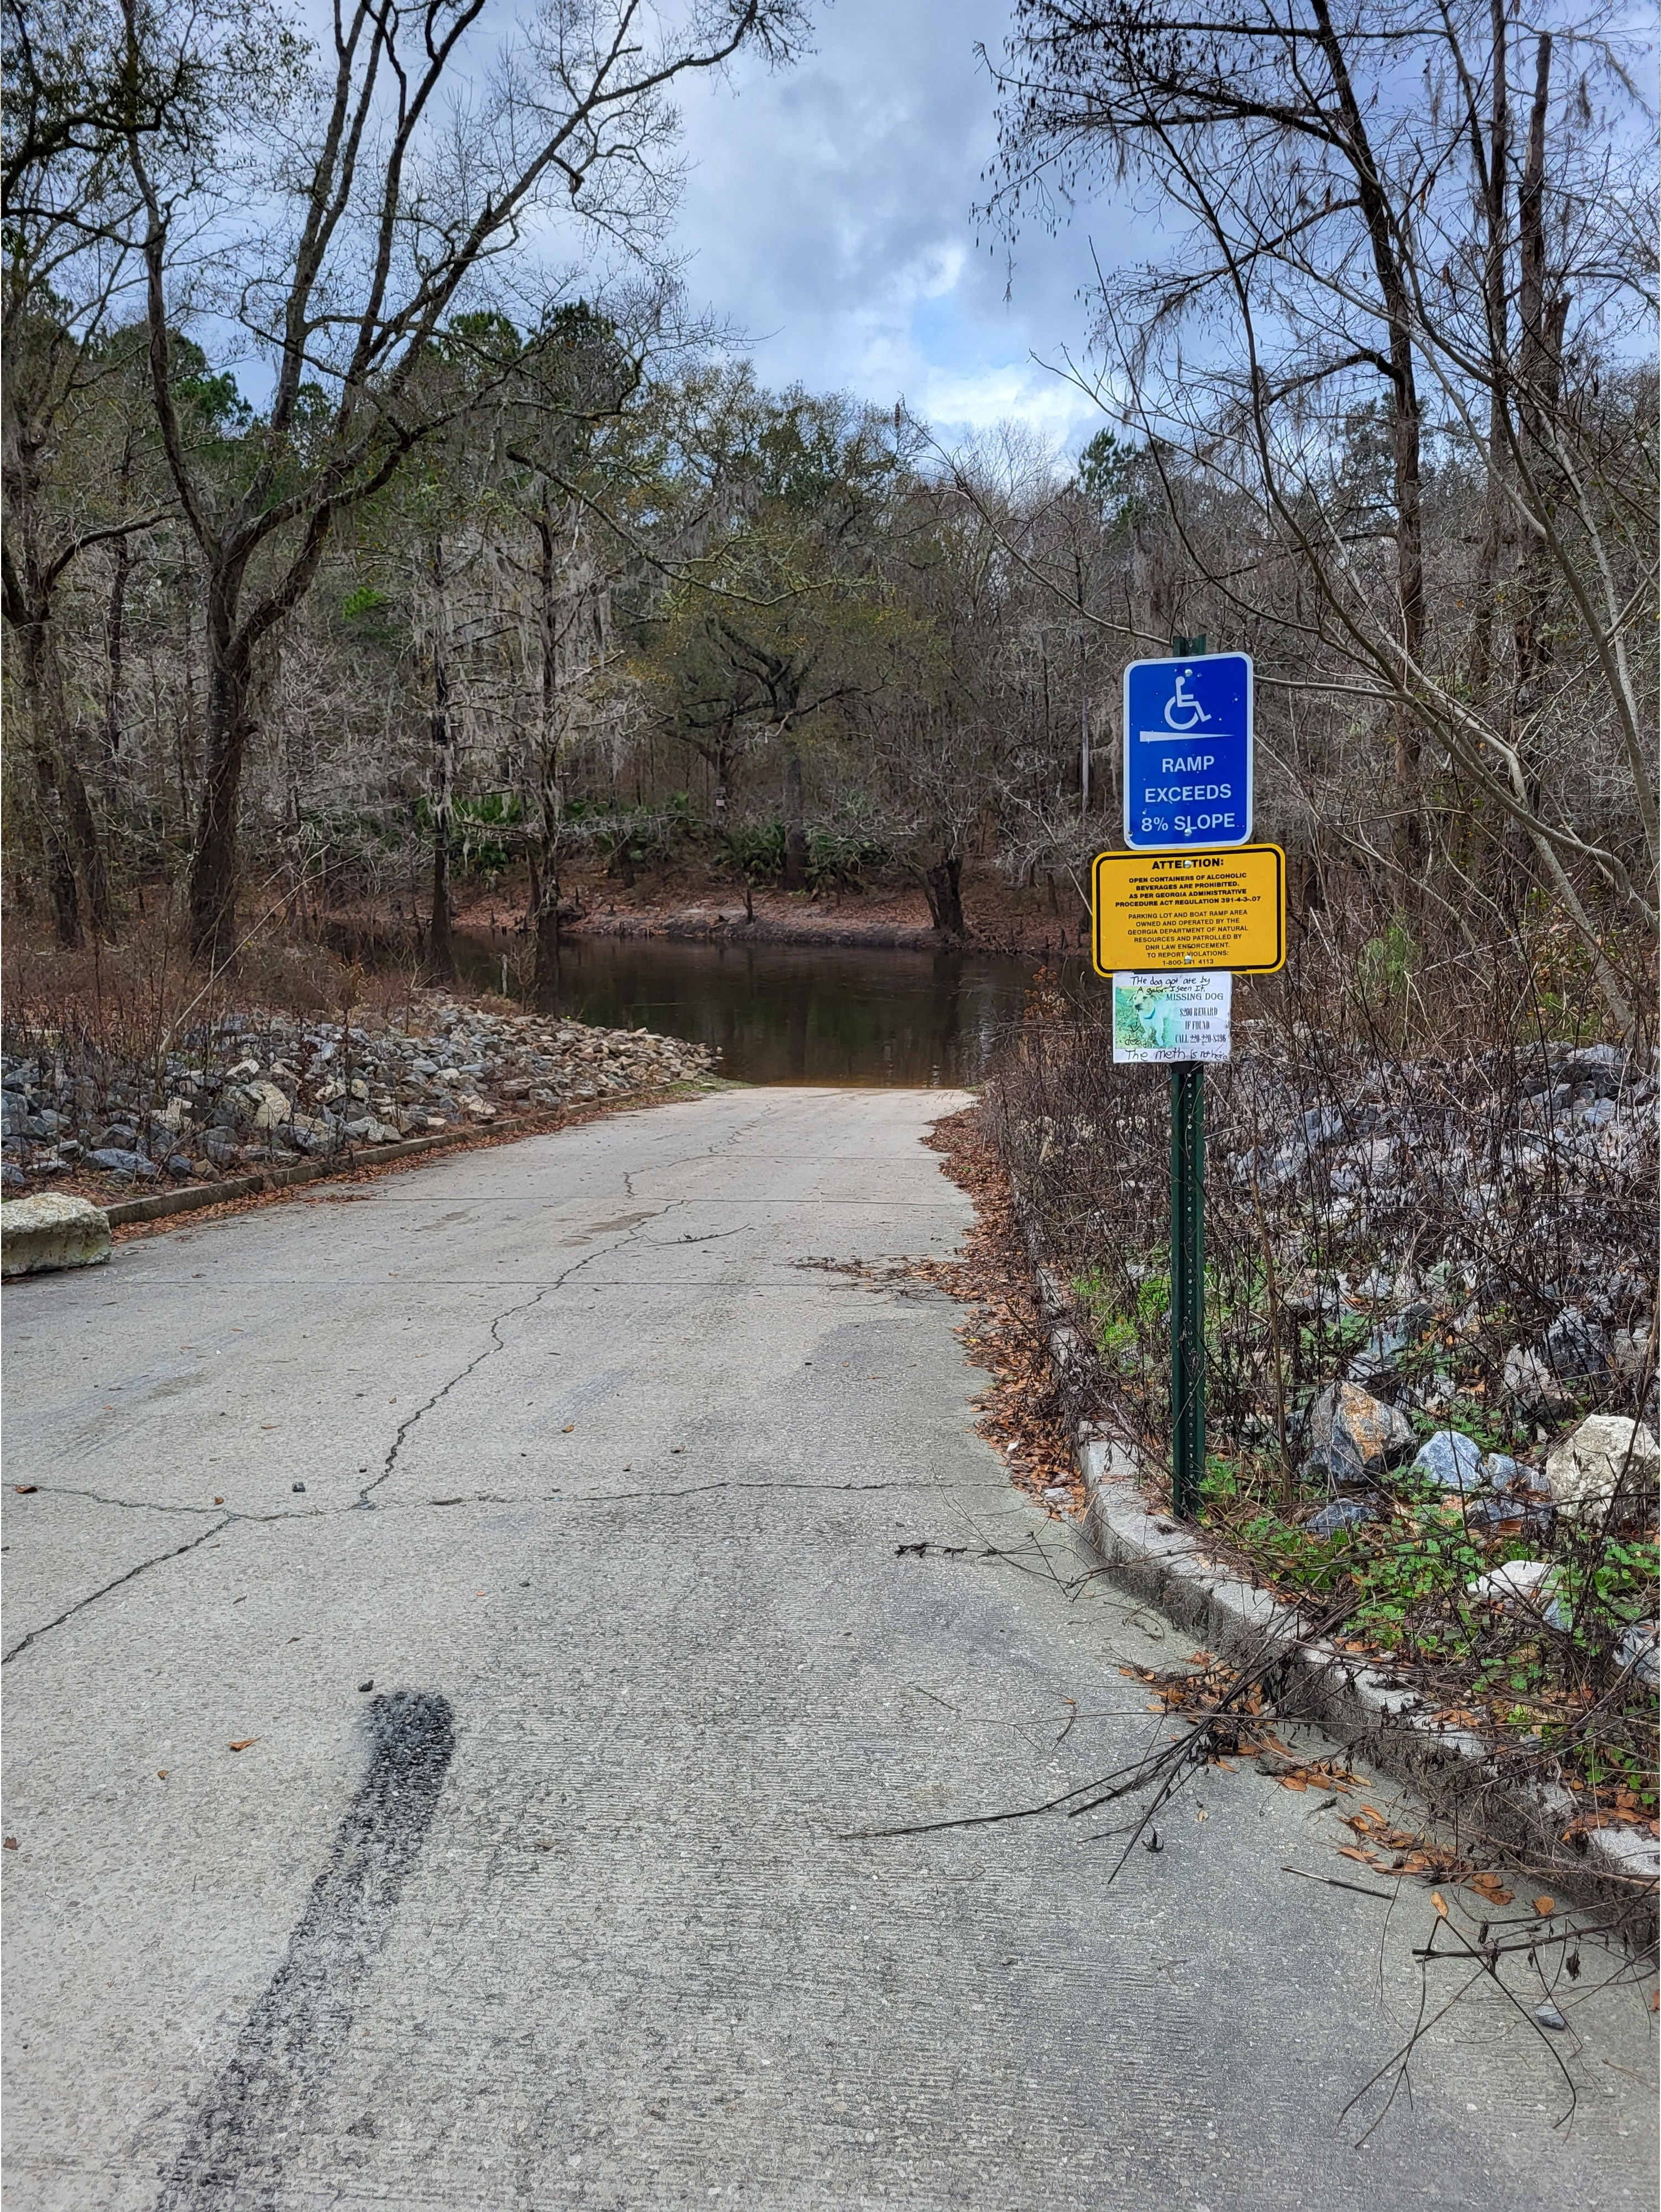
828, 215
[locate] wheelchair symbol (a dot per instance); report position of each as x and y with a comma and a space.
1180, 698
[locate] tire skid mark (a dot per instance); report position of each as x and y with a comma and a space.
254, 2120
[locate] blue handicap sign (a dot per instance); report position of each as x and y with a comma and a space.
1188, 751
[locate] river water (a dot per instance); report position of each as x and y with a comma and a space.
792, 1013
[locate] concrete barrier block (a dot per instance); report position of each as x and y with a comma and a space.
52, 1229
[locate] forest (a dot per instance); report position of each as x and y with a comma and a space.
384, 517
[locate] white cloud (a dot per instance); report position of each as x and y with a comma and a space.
828, 214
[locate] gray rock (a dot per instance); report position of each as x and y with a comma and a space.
1321, 1124
1532, 1383
1575, 1349
115, 1159
1507, 1474
1377, 1357
1339, 1518
12, 1178
1549, 2016
120, 1137
178, 1164
1450, 1460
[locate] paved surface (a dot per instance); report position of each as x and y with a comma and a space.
603, 1490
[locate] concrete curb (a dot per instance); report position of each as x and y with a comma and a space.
1354, 1702
193, 1195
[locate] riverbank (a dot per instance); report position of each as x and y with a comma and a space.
882, 922
687, 903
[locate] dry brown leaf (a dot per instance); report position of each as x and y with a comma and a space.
1439, 1902
243, 1742
26, 1489
1545, 1906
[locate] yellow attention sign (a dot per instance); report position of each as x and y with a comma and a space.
1175, 910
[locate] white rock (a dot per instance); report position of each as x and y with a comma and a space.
52, 1229
1638, 1651
1527, 1581
274, 1108
1584, 1469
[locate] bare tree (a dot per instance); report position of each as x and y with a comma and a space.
399, 190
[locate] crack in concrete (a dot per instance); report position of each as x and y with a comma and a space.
81, 1604
496, 1344
124, 1504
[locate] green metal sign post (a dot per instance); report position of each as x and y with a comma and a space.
1187, 1286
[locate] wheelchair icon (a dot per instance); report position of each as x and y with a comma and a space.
1195, 714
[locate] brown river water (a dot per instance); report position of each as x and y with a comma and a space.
791, 1013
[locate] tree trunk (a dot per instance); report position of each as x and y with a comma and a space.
214, 862
1539, 357
441, 950
1396, 298
115, 621
1496, 524
94, 874
795, 837
57, 829
545, 923
721, 759
942, 885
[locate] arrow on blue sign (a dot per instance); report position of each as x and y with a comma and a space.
1188, 752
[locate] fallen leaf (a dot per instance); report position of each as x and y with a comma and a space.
26, 1489
243, 1742
568, 1427
1545, 1906
1350, 1852
1439, 1902
11, 1842
161, 1773
219, 1501
1292, 1782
